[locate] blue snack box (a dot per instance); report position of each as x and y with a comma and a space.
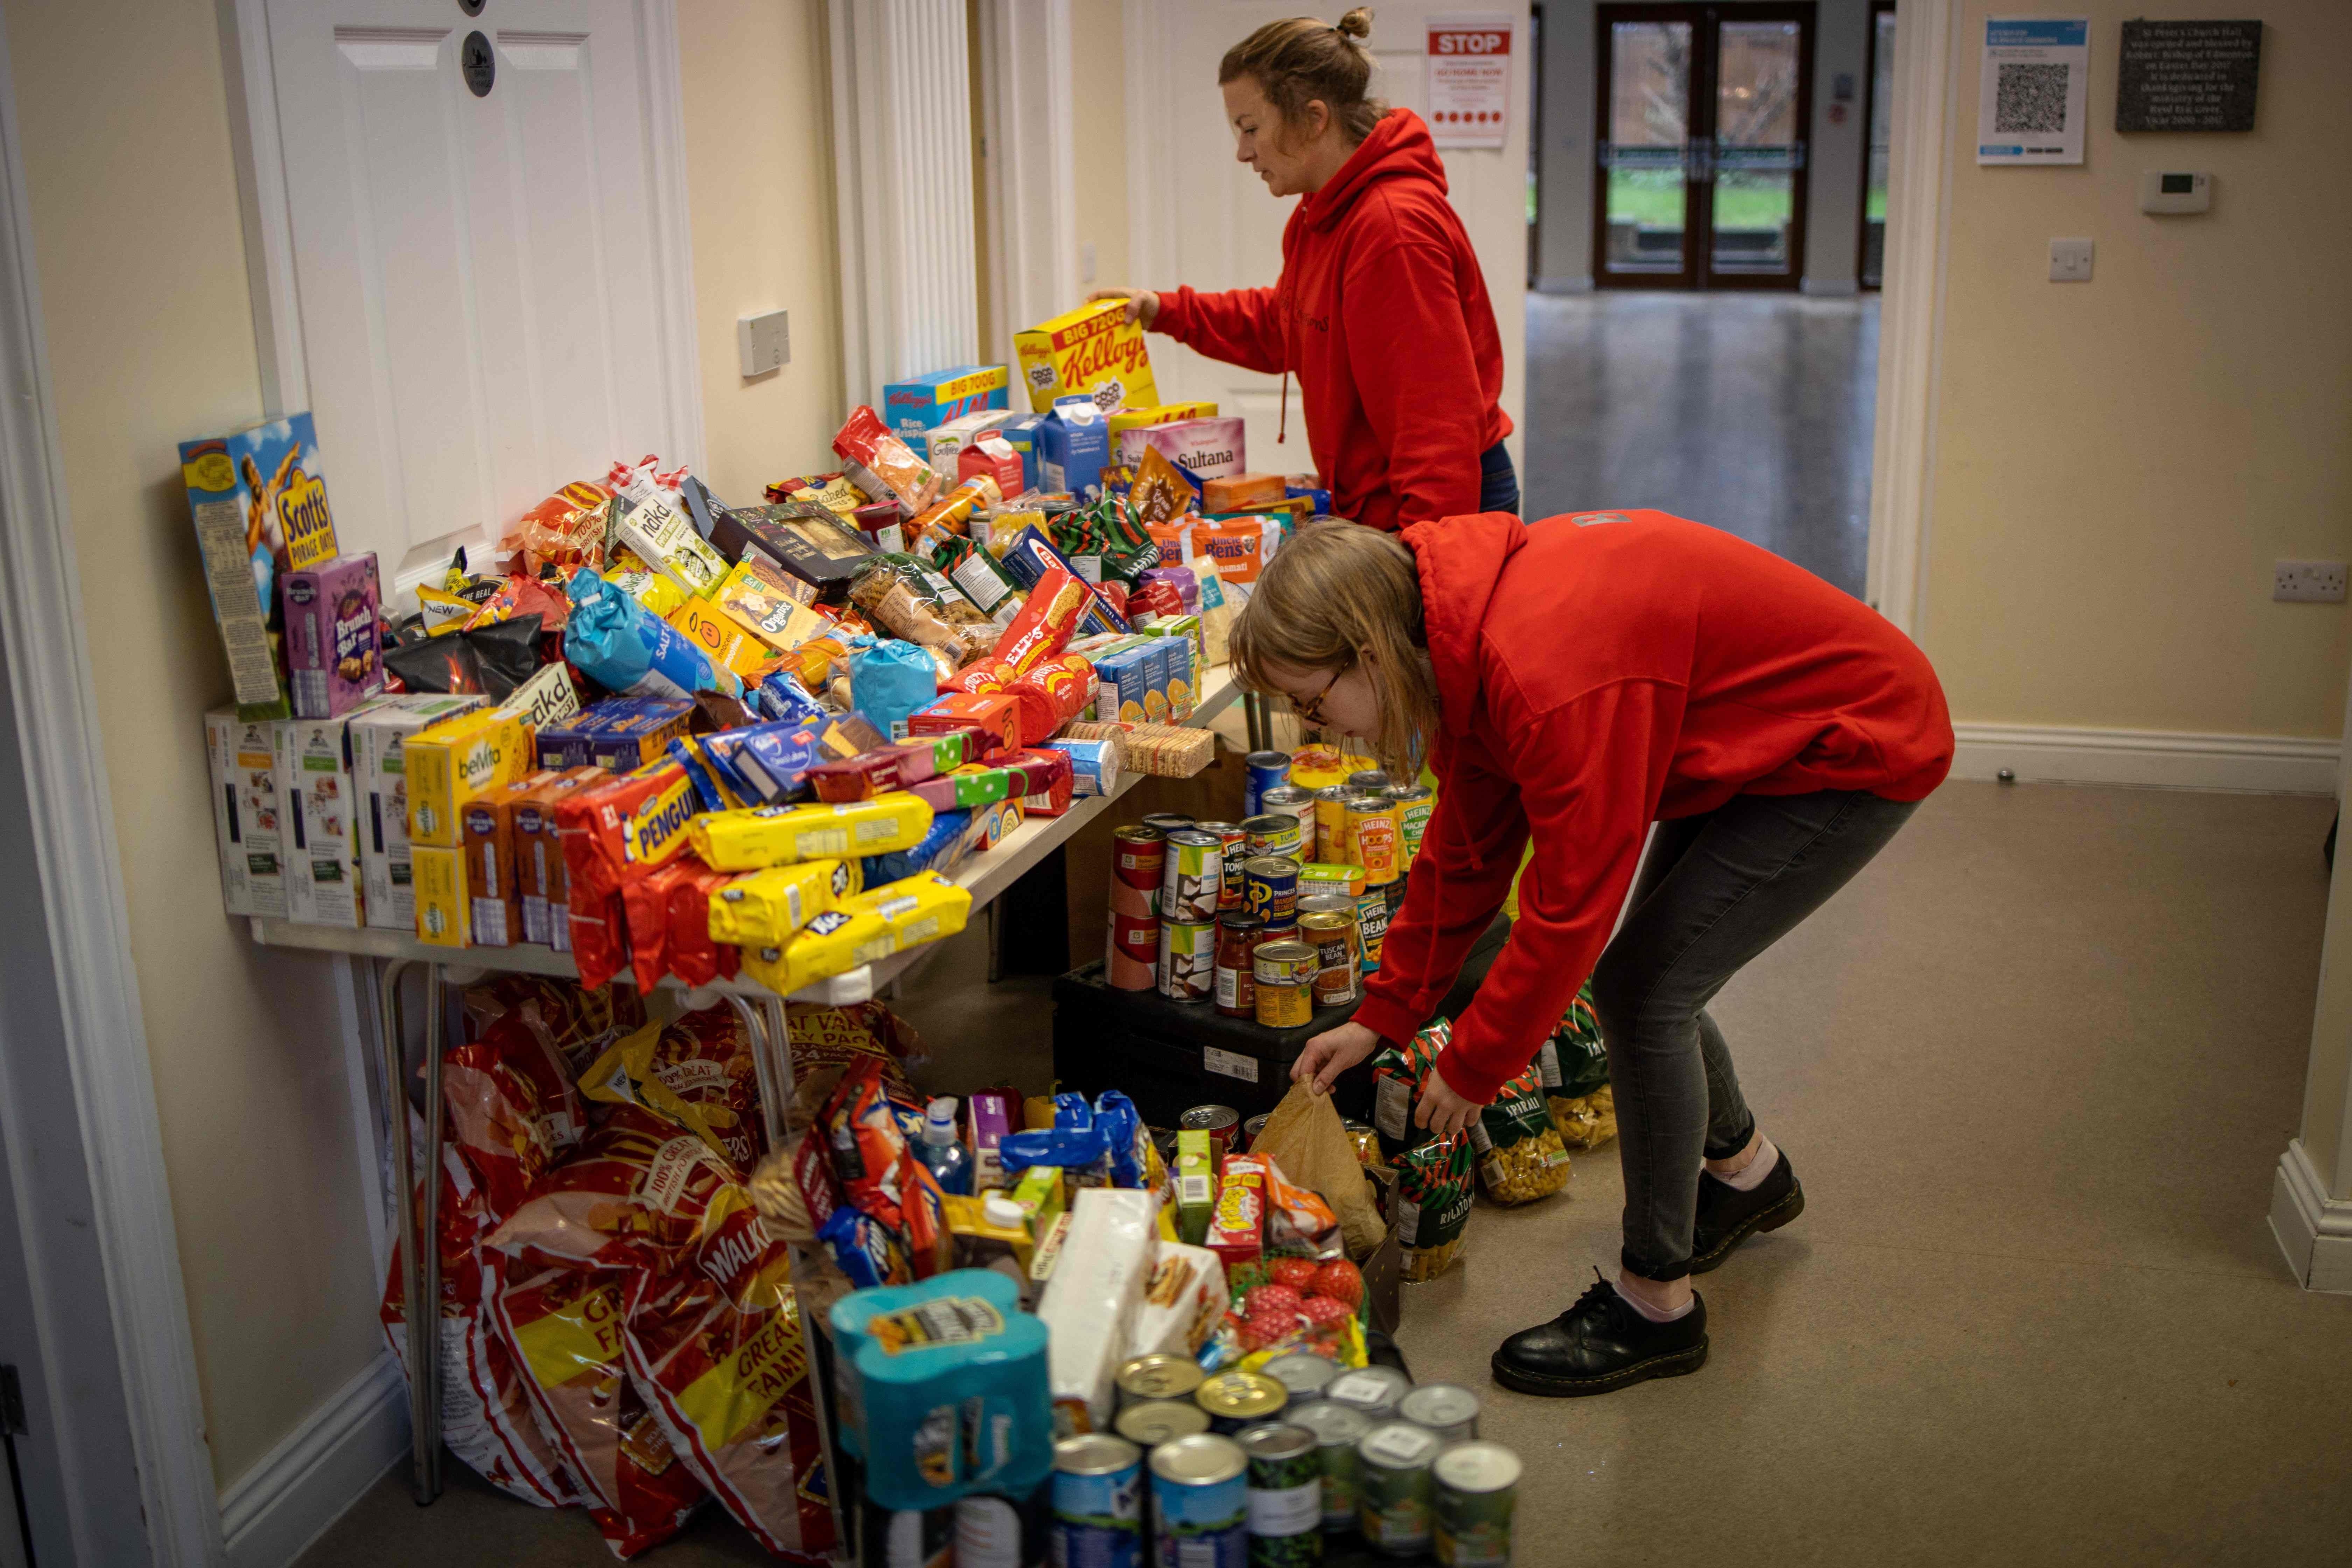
927, 402
1126, 678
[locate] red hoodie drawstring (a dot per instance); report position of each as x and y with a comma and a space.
1283, 429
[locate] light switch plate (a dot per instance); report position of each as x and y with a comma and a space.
763, 343
2070, 261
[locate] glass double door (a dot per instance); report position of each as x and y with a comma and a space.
1703, 118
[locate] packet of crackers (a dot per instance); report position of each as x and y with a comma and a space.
873, 453
768, 908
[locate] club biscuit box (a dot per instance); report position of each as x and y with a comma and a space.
1094, 351
259, 497
925, 402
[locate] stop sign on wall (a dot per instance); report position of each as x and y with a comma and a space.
1469, 64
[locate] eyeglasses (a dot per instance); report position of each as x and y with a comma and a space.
1311, 708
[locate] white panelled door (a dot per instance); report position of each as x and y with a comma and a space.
1201, 218
491, 289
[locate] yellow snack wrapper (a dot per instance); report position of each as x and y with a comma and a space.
779, 835
625, 1074
919, 909
871, 926
726, 642
762, 602
656, 591
768, 909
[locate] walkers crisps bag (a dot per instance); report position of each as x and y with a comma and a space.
703, 1061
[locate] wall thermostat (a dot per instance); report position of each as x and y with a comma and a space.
2175, 191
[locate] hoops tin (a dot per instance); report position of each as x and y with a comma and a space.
1370, 838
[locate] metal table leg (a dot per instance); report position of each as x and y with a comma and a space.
407, 1212
429, 1369
1257, 722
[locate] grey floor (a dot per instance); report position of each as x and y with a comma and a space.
1751, 412
2035, 1066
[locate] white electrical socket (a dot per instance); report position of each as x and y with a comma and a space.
2308, 582
2070, 261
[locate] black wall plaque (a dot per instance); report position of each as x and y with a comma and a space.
2188, 76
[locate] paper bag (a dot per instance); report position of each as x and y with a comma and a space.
1303, 1135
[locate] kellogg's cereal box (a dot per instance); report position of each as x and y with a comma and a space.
1095, 351
1205, 448
260, 501
925, 402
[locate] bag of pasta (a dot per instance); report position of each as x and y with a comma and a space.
1575, 1070
1520, 1154
907, 598
1398, 1073
1432, 1207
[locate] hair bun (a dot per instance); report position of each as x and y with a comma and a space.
1356, 24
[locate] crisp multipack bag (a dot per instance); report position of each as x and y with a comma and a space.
704, 1060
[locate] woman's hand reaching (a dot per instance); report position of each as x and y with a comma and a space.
1442, 1111
1142, 304
1331, 1053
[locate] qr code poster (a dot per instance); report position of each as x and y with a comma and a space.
2034, 94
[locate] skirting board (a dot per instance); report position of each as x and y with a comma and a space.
2171, 759
1828, 288
278, 1508
1563, 286
2313, 1230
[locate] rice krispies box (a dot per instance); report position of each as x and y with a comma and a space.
259, 497
925, 402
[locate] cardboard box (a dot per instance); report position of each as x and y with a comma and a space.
1094, 351
248, 814
494, 897
541, 884
1020, 435
620, 733
757, 596
1072, 445
332, 653
1206, 448
812, 543
258, 495
443, 911
939, 446
379, 773
315, 779
728, 645
461, 759
1134, 419
927, 402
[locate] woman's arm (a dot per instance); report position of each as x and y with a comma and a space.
1239, 326
1410, 354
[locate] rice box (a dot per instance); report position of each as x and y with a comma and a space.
1094, 351
331, 647
259, 497
248, 815
927, 402
1206, 448
379, 775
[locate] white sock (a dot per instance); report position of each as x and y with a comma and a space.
1757, 1169
1652, 1314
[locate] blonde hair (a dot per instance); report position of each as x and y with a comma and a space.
1299, 59
1334, 591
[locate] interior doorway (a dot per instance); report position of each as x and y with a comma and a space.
1701, 142
1878, 138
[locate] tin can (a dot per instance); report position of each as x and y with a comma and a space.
1373, 779
1192, 876
1238, 1399
1304, 1374
1139, 859
1296, 802
1223, 1123
1374, 1390
1283, 963
1337, 1429
1263, 771
1158, 1376
1188, 961
1477, 1489
1286, 1496
1285, 929
1371, 925
994, 1531
1199, 1502
904, 1537
1447, 1409
1252, 1129
1232, 847
1098, 1500
1333, 938
1238, 935
1344, 906
1414, 803
1372, 837
1274, 833
1131, 956
1270, 887
1331, 821
1167, 821
1160, 1421
1397, 1491
1332, 879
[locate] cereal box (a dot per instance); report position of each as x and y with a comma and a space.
925, 402
1094, 350
247, 814
332, 650
1205, 448
1134, 419
260, 501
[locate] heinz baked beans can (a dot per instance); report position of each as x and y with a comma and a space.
1192, 876
1273, 833
1264, 771
1414, 803
1270, 887
1233, 843
1372, 837
1188, 961
1371, 925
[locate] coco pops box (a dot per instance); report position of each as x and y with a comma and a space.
1094, 350
259, 495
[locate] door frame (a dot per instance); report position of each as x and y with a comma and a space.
1869, 112
1707, 16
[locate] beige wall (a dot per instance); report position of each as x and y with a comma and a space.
122, 110
2116, 464
1099, 97
758, 154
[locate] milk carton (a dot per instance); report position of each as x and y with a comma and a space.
1072, 445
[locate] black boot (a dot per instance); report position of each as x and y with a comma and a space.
1599, 1344
1728, 1216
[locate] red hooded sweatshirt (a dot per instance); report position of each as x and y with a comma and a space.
1382, 313
1596, 673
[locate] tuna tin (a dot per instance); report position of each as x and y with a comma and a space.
1192, 877
1477, 1488
1158, 1377
1162, 1421
1098, 1502
1263, 771
1188, 961
1270, 887
1238, 935
1233, 844
1167, 821
1199, 1502
1396, 1491
1286, 1496
1276, 833
1304, 1374
1337, 1429
1414, 803
1333, 938
1370, 838
1238, 1399
1374, 1390
1447, 1409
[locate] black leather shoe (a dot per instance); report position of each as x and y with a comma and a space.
1600, 1344
1728, 1216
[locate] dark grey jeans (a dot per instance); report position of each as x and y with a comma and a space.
1716, 890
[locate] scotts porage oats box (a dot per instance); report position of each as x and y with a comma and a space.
259, 497
333, 656
1094, 350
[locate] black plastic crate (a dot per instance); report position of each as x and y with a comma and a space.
1171, 1056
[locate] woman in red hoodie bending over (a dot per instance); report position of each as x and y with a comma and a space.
1380, 308
1574, 682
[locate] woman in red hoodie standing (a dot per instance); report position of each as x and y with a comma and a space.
1380, 308
1574, 682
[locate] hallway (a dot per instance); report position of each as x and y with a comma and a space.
1751, 412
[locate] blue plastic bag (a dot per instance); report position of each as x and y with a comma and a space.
888, 680
626, 648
